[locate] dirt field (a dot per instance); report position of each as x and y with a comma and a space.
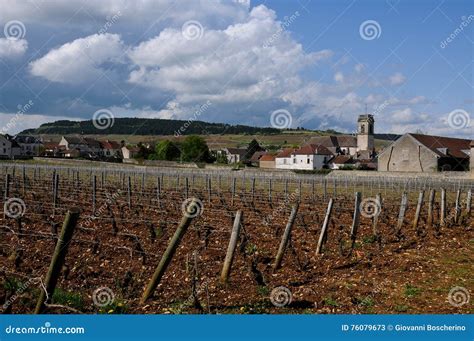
116, 251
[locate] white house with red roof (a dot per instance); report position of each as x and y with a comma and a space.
308, 157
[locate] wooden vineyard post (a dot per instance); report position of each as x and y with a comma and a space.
59, 256
233, 190
285, 238
325, 184
378, 202
430, 207
442, 215
457, 206
403, 209
356, 218
286, 188
55, 191
253, 189
169, 252
322, 236
270, 191
299, 191
94, 188
24, 180
234, 237
186, 188
6, 193
129, 193
419, 205
468, 203
209, 189
158, 190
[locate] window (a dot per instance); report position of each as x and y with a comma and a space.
294, 160
307, 160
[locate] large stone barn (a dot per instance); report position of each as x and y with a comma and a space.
425, 153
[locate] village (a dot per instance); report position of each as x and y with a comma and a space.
412, 152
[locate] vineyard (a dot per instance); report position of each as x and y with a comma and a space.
169, 241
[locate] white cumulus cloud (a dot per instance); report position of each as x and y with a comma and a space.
12, 48
80, 60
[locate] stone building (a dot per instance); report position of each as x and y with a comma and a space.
425, 153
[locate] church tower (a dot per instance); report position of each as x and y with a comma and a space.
365, 133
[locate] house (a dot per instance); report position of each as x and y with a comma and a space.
341, 161
51, 149
235, 155
9, 148
308, 157
283, 159
129, 152
86, 146
111, 149
425, 153
69, 153
255, 158
339, 144
267, 161
29, 145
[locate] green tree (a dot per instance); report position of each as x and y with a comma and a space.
253, 147
166, 150
194, 148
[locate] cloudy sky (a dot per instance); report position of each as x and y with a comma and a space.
410, 63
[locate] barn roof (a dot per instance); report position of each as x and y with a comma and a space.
444, 146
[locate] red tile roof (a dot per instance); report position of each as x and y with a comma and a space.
444, 146
267, 157
110, 144
286, 152
311, 149
341, 159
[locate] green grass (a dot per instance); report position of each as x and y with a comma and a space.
401, 308
67, 298
411, 291
329, 301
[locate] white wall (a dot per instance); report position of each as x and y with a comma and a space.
304, 162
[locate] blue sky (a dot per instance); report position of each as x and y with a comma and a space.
311, 60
